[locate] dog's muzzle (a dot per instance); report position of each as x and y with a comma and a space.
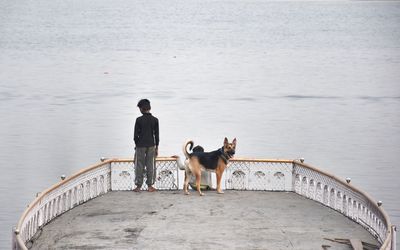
230, 153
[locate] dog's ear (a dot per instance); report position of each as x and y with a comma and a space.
226, 141
234, 142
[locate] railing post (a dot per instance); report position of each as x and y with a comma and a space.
394, 229
178, 163
13, 240
293, 176
14, 244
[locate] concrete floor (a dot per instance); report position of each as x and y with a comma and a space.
171, 220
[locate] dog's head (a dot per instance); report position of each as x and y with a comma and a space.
229, 147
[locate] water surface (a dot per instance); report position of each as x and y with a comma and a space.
288, 79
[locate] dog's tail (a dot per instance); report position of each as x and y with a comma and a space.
185, 152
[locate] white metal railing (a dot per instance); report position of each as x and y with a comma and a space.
345, 198
69, 193
241, 174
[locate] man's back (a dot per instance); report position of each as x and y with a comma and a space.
146, 131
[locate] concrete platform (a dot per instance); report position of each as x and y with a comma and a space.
171, 220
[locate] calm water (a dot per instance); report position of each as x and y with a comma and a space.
288, 79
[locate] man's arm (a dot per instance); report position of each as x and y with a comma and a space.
156, 133
156, 136
136, 132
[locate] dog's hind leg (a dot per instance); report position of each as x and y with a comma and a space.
198, 182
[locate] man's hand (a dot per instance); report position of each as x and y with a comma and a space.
156, 151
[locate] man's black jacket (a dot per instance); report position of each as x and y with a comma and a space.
146, 131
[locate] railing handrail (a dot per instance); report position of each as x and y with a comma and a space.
243, 159
21, 244
160, 158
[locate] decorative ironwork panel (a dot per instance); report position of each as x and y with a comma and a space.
123, 175
258, 175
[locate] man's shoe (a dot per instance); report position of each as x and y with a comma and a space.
137, 189
151, 189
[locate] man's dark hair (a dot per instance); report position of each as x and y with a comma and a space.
144, 104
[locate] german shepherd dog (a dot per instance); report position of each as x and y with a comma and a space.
199, 160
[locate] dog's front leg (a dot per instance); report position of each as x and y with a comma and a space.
219, 173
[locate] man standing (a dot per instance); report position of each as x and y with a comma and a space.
146, 137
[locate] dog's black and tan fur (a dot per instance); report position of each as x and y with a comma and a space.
199, 160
